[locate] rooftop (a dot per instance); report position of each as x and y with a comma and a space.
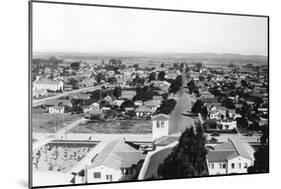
161, 117
117, 154
228, 150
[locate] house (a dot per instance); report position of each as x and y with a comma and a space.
138, 103
52, 85
171, 75
157, 98
216, 111
152, 104
118, 161
118, 102
142, 111
160, 126
93, 107
227, 124
231, 157
56, 110
39, 93
206, 96
128, 94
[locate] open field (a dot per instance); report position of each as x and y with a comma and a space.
50, 123
115, 127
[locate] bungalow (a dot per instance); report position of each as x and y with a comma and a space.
171, 75
52, 85
152, 104
128, 94
93, 107
157, 98
118, 102
138, 103
208, 97
39, 93
118, 161
227, 124
142, 111
231, 157
56, 110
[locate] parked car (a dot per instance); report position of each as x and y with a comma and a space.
213, 139
250, 133
215, 134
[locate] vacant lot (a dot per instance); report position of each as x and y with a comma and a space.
50, 123
115, 127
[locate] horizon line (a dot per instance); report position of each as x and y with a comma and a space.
152, 52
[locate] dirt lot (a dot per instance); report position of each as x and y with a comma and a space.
49, 123
115, 127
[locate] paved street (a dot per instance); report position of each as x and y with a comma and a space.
178, 122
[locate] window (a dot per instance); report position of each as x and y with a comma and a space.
97, 175
232, 165
245, 165
125, 171
109, 177
212, 166
222, 165
162, 124
157, 124
239, 165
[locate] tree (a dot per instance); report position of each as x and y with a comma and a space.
74, 83
127, 103
188, 158
261, 164
152, 76
138, 81
167, 106
100, 77
161, 75
136, 66
75, 66
176, 66
144, 93
198, 107
112, 80
176, 84
117, 92
198, 65
228, 103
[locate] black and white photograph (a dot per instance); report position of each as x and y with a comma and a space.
131, 94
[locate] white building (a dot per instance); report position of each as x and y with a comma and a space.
160, 126
227, 124
116, 162
231, 157
52, 85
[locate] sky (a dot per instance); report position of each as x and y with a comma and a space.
88, 29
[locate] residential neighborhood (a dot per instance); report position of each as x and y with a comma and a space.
109, 131
125, 94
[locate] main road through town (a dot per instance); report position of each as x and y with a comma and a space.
177, 121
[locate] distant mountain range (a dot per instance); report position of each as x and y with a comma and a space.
226, 57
